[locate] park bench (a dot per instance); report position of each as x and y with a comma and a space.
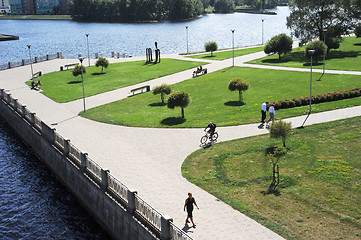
198, 71
37, 74
142, 89
70, 65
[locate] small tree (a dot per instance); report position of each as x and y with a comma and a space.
318, 46
358, 30
280, 129
238, 84
211, 47
102, 62
162, 90
78, 69
179, 99
274, 159
280, 44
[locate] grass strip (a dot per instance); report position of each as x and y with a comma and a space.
212, 101
347, 57
64, 87
222, 55
320, 180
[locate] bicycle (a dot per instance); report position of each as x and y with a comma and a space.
207, 136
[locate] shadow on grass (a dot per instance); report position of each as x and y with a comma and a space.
74, 82
271, 191
209, 56
172, 121
96, 74
270, 150
234, 103
158, 104
357, 44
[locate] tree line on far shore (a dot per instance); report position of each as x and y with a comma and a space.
157, 10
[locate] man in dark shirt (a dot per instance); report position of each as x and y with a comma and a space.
212, 129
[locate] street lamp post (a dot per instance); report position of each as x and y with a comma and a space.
31, 64
87, 43
311, 52
82, 79
187, 38
324, 50
232, 30
262, 30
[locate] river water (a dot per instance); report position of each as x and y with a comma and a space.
33, 203
68, 37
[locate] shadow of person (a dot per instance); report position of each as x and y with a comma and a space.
186, 228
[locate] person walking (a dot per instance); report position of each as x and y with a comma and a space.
272, 113
189, 204
263, 111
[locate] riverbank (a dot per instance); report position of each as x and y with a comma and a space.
35, 17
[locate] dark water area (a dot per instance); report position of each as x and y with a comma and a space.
33, 202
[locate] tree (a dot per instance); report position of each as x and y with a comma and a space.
318, 46
280, 129
179, 99
238, 84
357, 30
279, 44
224, 6
102, 62
210, 47
308, 18
162, 90
78, 69
274, 159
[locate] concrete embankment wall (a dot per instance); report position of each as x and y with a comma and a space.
119, 210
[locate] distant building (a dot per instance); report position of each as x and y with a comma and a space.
39, 7
4, 6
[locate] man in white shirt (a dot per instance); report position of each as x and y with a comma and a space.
272, 113
263, 111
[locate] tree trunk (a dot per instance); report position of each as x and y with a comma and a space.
102, 69
162, 97
182, 112
240, 96
284, 141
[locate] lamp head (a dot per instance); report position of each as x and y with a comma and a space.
87, 34
311, 51
29, 46
81, 59
232, 30
187, 27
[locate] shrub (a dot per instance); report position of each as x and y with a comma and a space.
358, 30
322, 98
238, 84
318, 46
346, 94
290, 103
280, 129
305, 101
280, 44
315, 99
211, 47
297, 102
78, 69
162, 90
179, 99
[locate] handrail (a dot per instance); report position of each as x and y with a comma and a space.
178, 234
148, 212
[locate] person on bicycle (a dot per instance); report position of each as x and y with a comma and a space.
212, 129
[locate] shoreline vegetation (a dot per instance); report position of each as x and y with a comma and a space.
120, 11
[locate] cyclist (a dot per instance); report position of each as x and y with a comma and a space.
212, 129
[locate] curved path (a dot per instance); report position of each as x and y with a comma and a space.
147, 159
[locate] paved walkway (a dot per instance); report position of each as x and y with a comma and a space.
149, 160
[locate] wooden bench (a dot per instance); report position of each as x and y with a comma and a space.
70, 65
37, 74
142, 89
198, 71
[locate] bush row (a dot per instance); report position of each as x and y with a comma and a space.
320, 98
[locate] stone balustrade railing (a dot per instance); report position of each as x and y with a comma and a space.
24, 62
120, 193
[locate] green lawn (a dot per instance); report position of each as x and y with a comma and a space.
64, 87
227, 54
320, 180
212, 101
42, 17
347, 57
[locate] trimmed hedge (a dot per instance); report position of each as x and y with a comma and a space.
320, 98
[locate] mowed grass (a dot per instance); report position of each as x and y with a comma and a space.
212, 101
64, 87
347, 57
320, 180
227, 54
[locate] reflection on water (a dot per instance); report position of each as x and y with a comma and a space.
51, 36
